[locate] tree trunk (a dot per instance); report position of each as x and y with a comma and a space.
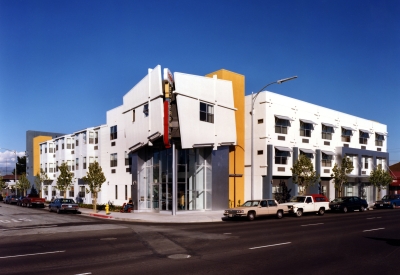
95, 202
65, 193
379, 194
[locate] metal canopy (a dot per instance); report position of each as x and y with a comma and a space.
365, 131
328, 152
308, 151
308, 121
382, 134
281, 148
329, 125
348, 128
284, 117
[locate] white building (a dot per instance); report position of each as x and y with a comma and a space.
285, 127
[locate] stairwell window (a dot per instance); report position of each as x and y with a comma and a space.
113, 160
206, 112
146, 110
113, 132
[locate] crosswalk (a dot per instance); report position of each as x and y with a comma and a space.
15, 220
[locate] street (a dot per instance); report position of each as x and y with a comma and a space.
35, 241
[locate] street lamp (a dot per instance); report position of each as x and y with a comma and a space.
15, 172
253, 100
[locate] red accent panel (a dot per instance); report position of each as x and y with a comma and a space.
166, 124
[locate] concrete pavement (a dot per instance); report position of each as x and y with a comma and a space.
163, 217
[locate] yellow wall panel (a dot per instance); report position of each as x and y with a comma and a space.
36, 152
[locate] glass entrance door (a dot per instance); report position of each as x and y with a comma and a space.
155, 198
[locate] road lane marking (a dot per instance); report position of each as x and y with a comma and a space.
29, 227
373, 218
227, 233
373, 229
269, 245
87, 273
34, 254
312, 224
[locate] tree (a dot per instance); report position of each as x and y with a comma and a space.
40, 178
380, 179
94, 178
23, 183
3, 184
303, 173
339, 174
64, 180
21, 165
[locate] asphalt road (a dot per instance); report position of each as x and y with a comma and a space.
34, 241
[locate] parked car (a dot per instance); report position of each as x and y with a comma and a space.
348, 203
388, 201
19, 200
63, 205
315, 203
256, 208
33, 200
10, 199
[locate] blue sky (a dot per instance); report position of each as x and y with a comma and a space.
63, 64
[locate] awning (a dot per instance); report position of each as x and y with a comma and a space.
284, 117
329, 125
328, 152
365, 131
382, 134
307, 151
281, 148
348, 128
308, 121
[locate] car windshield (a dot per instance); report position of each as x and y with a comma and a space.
251, 203
339, 199
67, 201
389, 197
298, 199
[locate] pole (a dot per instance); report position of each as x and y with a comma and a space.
174, 195
253, 100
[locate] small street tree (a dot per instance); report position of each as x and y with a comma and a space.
94, 178
339, 174
303, 173
64, 180
3, 184
40, 178
23, 184
380, 179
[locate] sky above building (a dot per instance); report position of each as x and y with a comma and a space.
64, 64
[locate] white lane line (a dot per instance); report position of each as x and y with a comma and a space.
30, 227
373, 229
373, 218
34, 254
269, 245
87, 273
312, 224
227, 233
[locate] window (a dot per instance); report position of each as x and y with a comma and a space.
364, 136
51, 168
260, 152
365, 163
113, 160
56, 166
73, 165
126, 192
379, 139
77, 140
281, 157
327, 132
307, 154
281, 125
346, 134
45, 149
45, 167
113, 132
62, 145
91, 137
116, 192
77, 163
127, 159
69, 165
84, 162
146, 110
326, 160
96, 137
91, 160
69, 143
260, 121
56, 146
84, 137
305, 129
51, 148
133, 116
206, 112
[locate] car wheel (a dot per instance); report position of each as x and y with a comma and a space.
393, 205
362, 208
345, 210
321, 211
251, 216
279, 214
50, 210
299, 213
58, 211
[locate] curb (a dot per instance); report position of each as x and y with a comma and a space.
101, 216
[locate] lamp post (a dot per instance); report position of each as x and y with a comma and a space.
15, 172
253, 100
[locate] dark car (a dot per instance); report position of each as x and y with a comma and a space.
348, 203
63, 205
19, 200
10, 199
388, 201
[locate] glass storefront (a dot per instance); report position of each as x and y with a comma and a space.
193, 176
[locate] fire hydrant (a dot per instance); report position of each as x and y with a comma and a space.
107, 209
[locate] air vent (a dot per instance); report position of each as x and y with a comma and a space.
345, 145
327, 171
281, 169
305, 140
379, 149
327, 143
96, 147
363, 147
281, 137
72, 152
112, 171
128, 170
364, 172
113, 143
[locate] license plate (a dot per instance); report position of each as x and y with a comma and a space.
230, 215
69, 206
381, 205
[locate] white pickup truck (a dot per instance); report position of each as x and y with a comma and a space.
316, 203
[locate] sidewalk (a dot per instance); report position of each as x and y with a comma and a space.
166, 217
